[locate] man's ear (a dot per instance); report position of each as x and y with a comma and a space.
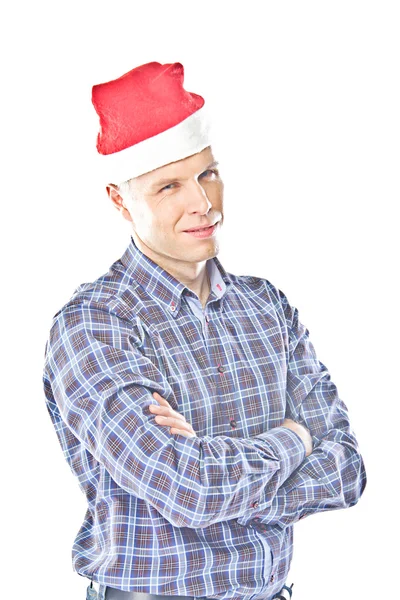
118, 201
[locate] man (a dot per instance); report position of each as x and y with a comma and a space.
188, 401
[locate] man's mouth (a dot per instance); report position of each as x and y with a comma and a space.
202, 229
204, 232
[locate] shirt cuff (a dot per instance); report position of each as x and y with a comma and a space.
288, 447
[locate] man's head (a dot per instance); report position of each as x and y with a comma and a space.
158, 134
163, 204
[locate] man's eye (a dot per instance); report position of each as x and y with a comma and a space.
214, 171
206, 173
166, 187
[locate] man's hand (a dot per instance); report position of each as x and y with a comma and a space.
302, 432
168, 417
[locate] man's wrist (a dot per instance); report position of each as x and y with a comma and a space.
288, 447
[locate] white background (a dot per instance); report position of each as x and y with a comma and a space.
306, 97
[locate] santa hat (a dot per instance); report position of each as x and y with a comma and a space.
148, 120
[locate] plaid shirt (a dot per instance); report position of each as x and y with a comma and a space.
211, 515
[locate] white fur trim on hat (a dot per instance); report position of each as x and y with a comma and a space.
190, 136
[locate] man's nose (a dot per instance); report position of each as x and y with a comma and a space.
198, 199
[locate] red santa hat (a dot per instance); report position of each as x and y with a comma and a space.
148, 120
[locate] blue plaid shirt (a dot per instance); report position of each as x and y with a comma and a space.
211, 515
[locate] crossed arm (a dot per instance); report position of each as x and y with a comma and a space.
166, 416
332, 474
98, 382
99, 389
285, 508
302, 494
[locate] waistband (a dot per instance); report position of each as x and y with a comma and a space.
113, 594
108, 593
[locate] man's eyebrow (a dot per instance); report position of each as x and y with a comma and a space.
166, 180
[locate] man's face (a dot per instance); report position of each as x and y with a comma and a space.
173, 198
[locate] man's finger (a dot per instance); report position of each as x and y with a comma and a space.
165, 412
165, 407
172, 422
160, 399
175, 423
163, 402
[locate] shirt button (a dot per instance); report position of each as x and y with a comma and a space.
272, 578
255, 504
172, 307
233, 423
220, 369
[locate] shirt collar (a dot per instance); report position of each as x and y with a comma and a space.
162, 286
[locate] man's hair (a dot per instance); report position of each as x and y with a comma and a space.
125, 188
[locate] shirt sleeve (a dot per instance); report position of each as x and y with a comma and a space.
333, 476
102, 385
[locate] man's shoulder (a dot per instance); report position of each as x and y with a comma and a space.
107, 293
98, 312
258, 286
264, 296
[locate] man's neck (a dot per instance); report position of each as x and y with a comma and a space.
204, 298
202, 292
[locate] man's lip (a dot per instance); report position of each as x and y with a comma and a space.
202, 227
